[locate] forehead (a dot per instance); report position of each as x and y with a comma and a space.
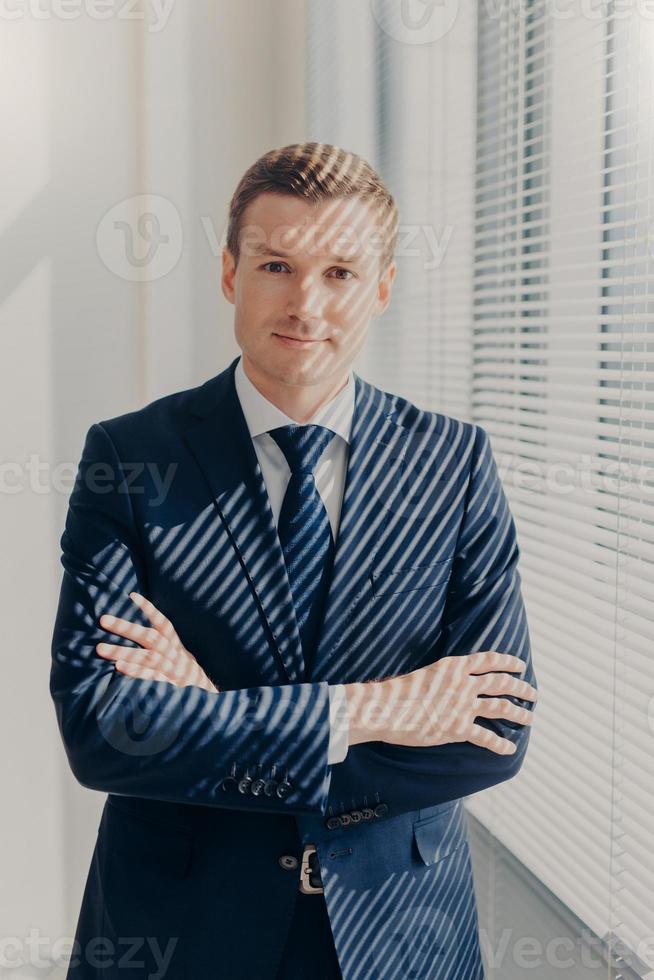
284, 223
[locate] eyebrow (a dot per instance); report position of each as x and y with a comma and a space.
260, 248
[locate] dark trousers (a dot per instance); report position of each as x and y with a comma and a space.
309, 953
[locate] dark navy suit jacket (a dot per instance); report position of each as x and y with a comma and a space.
187, 855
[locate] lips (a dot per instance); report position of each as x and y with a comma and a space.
296, 342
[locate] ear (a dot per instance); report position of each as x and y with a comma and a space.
384, 289
228, 274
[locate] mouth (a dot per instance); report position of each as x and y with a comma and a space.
295, 341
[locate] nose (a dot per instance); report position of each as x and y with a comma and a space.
304, 301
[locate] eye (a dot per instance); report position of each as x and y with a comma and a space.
271, 263
347, 272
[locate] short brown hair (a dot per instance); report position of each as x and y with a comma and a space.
316, 172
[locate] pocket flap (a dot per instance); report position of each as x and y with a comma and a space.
410, 578
437, 836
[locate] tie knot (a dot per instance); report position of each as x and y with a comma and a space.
302, 445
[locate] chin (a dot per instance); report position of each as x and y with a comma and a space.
302, 375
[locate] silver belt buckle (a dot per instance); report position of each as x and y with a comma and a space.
310, 866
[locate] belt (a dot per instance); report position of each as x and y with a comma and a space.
310, 880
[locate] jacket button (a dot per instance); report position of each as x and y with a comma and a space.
288, 862
332, 823
270, 787
257, 787
244, 784
381, 809
284, 789
345, 819
367, 813
228, 784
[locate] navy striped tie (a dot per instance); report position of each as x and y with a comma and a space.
304, 530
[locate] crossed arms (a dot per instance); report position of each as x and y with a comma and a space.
156, 726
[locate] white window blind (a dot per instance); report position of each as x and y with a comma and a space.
530, 133
562, 380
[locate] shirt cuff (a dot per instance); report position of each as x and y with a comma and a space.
338, 724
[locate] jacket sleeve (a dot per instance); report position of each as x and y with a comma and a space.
484, 611
149, 738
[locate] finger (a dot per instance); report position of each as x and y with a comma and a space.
140, 658
142, 673
489, 740
111, 651
157, 618
504, 684
178, 671
500, 708
143, 664
143, 635
115, 651
493, 660
135, 655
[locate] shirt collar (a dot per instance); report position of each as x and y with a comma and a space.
261, 415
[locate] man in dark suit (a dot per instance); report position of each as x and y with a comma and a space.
288, 669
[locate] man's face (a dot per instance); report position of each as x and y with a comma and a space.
308, 272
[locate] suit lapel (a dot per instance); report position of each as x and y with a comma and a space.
375, 462
219, 439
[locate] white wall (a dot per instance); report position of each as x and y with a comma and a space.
101, 111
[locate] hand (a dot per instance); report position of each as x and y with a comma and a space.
163, 657
438, 704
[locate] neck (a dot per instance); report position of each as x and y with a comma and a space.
299, 402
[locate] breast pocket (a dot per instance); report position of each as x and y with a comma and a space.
410, 578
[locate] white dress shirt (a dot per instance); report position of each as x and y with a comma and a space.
261, 416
